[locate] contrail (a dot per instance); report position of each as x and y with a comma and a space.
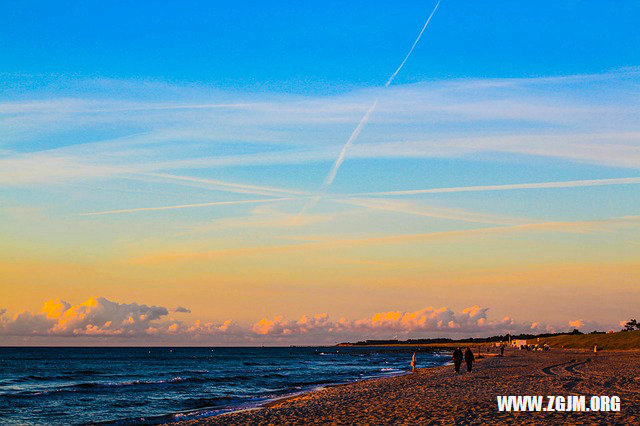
347, 198
415, 43
328, 181
229, 186
334, 170
540, 185
354, 135
429, 211
186, 206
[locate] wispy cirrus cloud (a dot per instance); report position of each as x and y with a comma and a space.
589, 118
331, 242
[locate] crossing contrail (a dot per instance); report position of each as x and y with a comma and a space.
186, 206
354, 135
537, 185
328, 181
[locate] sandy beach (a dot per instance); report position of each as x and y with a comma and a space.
438, 395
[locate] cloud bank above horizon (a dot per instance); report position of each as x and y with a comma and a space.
103, 321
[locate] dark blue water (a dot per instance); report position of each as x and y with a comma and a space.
132, 385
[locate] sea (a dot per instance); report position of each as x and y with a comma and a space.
160, 385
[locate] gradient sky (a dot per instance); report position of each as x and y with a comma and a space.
155, 158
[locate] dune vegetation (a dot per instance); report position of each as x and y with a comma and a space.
622, 340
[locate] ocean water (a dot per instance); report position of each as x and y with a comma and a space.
155, 385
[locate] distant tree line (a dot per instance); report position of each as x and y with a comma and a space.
631, 325
499, 338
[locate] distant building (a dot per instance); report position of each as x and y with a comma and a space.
518, 343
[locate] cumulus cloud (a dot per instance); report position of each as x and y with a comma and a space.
278, 326
576, 323
586, 325
537, 327
472, 319
100, 317
97, 316
424, 322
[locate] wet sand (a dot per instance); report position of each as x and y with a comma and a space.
438, 395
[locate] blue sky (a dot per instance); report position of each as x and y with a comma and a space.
314, 46
148, 148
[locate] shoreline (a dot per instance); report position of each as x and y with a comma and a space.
320, 388
294, 396
290, 397
269, 403
437, 394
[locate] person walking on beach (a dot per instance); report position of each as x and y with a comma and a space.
413, 363
501, 350
457, 359
468, 358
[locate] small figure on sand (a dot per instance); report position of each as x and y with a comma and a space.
501, 350
413, 363
468, 358
457, 359
595, 349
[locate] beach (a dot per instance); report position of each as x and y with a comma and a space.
438, 395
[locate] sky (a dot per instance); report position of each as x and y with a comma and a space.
167, 170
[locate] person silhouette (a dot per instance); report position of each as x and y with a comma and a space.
469, 358
457, 359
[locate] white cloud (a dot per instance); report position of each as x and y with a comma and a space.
101, 318
96, 316
586, 326
589, 118
278, 326
426, 322
470, 320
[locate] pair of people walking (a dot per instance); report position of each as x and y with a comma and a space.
468, 359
